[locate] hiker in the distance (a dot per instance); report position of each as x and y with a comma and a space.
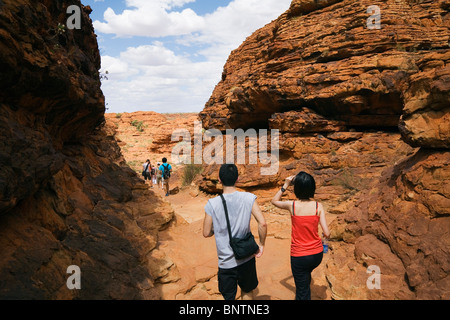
166, 170
306, 245
153, 174
240, 206
146, 173
159, 179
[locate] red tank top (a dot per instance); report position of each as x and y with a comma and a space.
305, 238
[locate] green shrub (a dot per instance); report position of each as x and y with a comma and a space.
190, 171
139, 125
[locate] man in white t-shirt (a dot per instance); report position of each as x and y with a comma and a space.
241, 206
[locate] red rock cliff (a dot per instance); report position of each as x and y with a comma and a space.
66, 197
325, 80
320, 57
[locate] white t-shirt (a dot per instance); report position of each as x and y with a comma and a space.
144, 166
239, 205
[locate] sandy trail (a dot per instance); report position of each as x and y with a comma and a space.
196, 257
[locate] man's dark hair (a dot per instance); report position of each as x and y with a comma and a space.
228, 174
304, 186
164, 160
148, 160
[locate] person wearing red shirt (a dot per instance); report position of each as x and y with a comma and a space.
306, 245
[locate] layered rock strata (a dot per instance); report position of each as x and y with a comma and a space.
321, 56
353, 105
66, 196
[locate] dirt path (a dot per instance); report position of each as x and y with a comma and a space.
196, 257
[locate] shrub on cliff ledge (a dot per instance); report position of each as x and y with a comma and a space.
139, 125
190, 171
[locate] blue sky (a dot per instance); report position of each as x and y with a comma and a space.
168, 55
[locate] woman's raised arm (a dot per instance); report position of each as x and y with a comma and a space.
276, 200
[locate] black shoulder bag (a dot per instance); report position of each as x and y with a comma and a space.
242, 247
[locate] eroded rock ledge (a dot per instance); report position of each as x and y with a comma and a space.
366, 111
321, 56
66, 195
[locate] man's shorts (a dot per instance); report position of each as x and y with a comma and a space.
243, 276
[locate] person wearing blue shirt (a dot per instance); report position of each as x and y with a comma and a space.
166, 170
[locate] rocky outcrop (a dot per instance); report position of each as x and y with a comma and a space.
401, 224
353, 104
93, 213
148, 135
343, 163
50, 92
321, 55
66, 196
426, 114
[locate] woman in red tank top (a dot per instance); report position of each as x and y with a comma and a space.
306, 245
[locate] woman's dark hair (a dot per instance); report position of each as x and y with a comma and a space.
304, 186
228, 174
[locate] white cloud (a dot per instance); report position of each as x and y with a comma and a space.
114, 66
151, 18
153, 77
239, 19
151, 55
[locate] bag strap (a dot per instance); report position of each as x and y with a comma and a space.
146, 169
226, 215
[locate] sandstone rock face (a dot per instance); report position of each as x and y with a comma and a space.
93, 213
66, 197
325, 80
402, 226
322, 56
50, 92
426, 115
343, 164
148, 135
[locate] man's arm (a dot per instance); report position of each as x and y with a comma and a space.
208, 230
262, 227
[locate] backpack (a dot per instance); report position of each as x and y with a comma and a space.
166, 171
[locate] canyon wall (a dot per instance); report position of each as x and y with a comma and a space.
66, 196
366, 111
319, 68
